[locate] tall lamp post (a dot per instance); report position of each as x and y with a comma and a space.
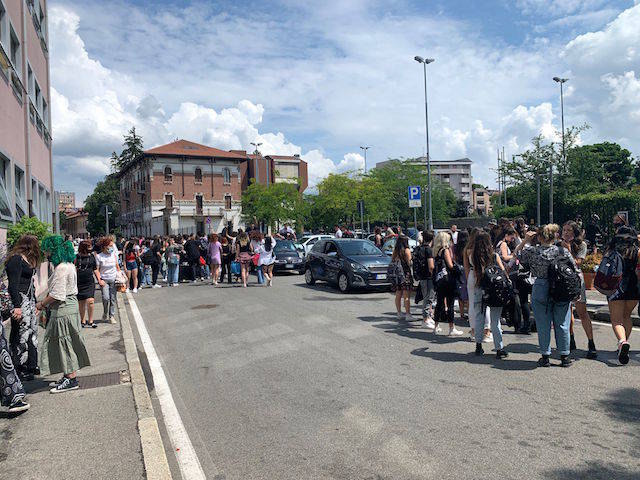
425, 62
364, 149
561, 81
255, 160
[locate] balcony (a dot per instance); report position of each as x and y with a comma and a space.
141, 188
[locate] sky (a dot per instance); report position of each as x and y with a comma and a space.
323, 78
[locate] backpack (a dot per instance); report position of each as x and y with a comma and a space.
420, 264
565, 283
395, 272
609, 273
497, 289
441, 278
148, 257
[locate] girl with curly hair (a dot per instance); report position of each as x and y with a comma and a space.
63, 349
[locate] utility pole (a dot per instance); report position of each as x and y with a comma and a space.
504, 178
561, 81
538, 198
106, 216
364, 149
499, 180
425, 62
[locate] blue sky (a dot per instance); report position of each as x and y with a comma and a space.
323, 78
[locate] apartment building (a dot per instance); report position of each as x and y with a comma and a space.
66, 200
270, 169
182, 187
482, 201
74, 222
26, 174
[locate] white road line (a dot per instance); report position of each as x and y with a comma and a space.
190, 467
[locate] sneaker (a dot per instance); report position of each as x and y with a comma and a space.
126, 291
112, 319
437, 330
472, 334
454, 332
500, 354
135, 290
623, 352
429, 324
399, 316
592, 353
544, 361
93, 325
57, 382
488, 338
66, 385
157, 286
408, 317
565, 361
19, 406
479, 350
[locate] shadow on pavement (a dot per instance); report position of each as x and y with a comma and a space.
486, 359
594, 471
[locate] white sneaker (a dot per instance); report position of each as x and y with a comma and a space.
488, 338
126, 291
472, 334
437, 330
454, 332
157, 286
428, 324
135, 290
399, 316
408, 317
112, 319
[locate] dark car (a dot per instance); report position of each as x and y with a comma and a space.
347, 262
288, 257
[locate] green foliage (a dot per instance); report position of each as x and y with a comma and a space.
276, 203
107, 192
133, 148
509, 212
27, 226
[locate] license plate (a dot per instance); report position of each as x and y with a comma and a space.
381, 276
288, 265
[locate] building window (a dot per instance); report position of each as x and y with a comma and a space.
227, 202
19, 179
5, 209
198, 204
168, 174
15, 52
226, 173
198, 175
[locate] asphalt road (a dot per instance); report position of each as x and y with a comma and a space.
298, 382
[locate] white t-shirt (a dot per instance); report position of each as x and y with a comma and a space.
338, 233
266, 258
107, 265
454, 237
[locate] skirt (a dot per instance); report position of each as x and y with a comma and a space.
245, 258
11, 389
63, 349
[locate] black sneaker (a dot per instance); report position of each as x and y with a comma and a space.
479, 350
592, 353
544, 361
565, 361
57, 382
66, 385
500, 354
19, 406
623, 353
572, 343
93, 325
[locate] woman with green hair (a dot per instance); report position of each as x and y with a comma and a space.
63, 350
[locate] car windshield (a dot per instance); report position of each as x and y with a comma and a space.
304, 239
359, 247
284, 247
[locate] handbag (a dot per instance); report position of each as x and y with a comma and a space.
121, 278
255, 259
202, 262
235, 268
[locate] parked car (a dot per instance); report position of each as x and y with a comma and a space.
287, 257
307, 242
347, 263
389, 245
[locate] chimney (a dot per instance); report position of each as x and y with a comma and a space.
297, 155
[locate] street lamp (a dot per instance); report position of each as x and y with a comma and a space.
255, 160
425, 62
561, 81
365, 148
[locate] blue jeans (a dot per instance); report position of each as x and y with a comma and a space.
259, 274
172, 273
547, 312
146, 276
480, 313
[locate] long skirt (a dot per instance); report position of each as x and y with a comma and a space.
11, 389
63, 349
23, 339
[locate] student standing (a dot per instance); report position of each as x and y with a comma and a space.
404, 286
214, 254
423, 271
267, 259
86, 272
108, 268
243, 255
444, 283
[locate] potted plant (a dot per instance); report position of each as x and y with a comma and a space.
589, 266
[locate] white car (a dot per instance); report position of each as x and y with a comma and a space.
309, 241
389, 245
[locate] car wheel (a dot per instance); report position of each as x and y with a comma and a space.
308, 277
343, 282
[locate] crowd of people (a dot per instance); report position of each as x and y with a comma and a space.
508, 270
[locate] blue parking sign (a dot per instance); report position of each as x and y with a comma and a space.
415, 197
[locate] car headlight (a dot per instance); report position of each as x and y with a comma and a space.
357, 267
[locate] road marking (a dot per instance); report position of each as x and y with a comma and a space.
190, 467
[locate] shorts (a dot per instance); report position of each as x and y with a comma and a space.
132, 265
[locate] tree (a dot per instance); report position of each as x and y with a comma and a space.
27, 226
273, 204
133, 147
107, 192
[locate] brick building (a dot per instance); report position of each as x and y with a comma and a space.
270, 169
66, 200
74, 222
26, 177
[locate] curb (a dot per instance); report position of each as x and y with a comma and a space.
156, 464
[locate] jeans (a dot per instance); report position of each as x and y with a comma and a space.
155, 269
109, 298
547, 312
146, 276
428, 296
471, 289
480, 313
172, 273
260, 274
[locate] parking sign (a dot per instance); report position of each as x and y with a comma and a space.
415, 197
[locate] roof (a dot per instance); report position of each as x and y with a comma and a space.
192, 149
284, 157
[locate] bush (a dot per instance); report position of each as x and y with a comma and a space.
27, 226
509, 212
591, 262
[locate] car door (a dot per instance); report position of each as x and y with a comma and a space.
332, 261
309, 245
315, 260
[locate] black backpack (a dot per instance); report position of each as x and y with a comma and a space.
395, 273
441, 277
565, 284
497, 289
420, 264
148, 257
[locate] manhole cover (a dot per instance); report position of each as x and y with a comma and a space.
103, 379
204, 307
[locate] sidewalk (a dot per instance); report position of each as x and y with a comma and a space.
599, 310
92, 432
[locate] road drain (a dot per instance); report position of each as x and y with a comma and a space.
204, 307
104, 379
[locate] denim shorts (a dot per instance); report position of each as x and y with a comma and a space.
132, 265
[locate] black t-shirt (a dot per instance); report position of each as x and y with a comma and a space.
19, 275
85, 265
192, 248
